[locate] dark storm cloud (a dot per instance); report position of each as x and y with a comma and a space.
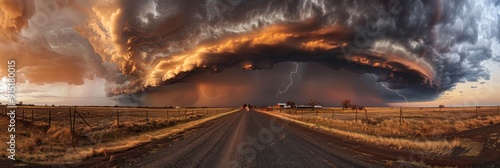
235, 87
419, 48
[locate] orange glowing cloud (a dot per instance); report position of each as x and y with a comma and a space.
41, 66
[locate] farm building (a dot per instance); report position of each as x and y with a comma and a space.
282, 105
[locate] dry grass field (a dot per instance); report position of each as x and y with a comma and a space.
97, 130
420, 130
107, 130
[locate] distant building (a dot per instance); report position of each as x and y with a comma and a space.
307, 106
303, 106
282, 105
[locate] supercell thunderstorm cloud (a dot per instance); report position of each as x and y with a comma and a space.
164, 49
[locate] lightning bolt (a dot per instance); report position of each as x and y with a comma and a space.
291, 80
394, 91
208, 97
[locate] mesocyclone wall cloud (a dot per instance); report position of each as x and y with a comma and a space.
420, 48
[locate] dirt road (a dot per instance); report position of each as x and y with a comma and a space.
243, 139
254, 139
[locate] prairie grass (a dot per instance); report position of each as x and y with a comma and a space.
410, 128
416, 135
57, 145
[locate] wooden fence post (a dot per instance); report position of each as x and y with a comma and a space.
356, 115
476, 112
70, 121
333, 114
168, 117
366, 114
147, 117
74, 118
50, 118
185, 112
32, 116
400, 115
117, 118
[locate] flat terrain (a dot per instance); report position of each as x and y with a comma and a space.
241, 139
386, 113
97, 130
265, 139
254, 139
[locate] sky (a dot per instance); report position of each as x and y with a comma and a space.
231, 52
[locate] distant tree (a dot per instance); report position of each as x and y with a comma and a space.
441, 106
354, 107
346, 104
366, 114
312, 103
290, 103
